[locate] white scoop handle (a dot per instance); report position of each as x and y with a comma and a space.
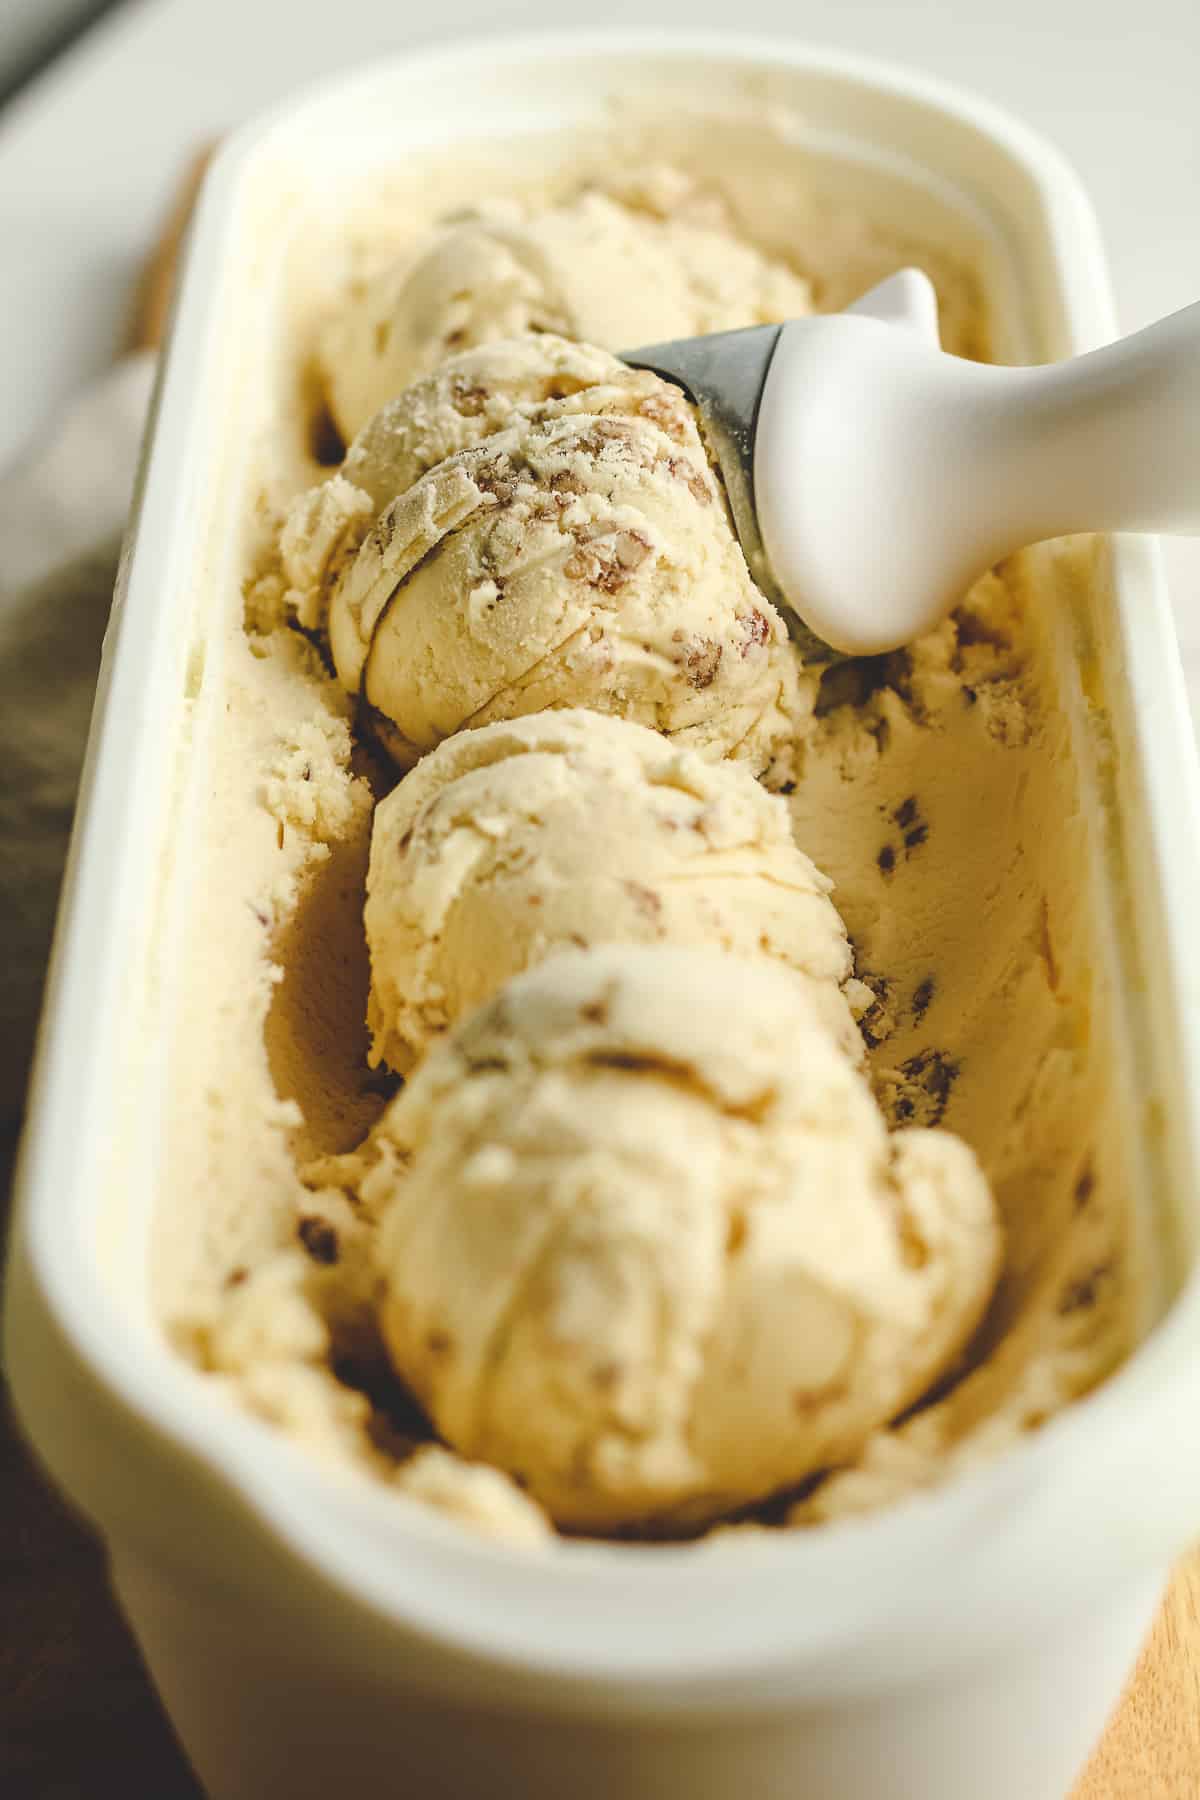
889, 475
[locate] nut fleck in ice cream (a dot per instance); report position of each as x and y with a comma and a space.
573, 829
652, 1251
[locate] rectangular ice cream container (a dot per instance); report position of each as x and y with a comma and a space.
305, 1630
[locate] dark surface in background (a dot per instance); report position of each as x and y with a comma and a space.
77, 1716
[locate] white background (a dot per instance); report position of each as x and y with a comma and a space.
89, 154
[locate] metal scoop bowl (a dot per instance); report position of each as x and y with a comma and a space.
873, 477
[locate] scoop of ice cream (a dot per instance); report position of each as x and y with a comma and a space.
466, 400
592, 268
572, 558
648, 1247
570, 828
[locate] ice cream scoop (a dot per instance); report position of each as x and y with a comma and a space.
648, 1246
873, 477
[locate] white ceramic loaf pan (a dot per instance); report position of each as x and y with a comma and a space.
311, 1635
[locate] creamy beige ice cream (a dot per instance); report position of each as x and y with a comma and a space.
651, 1250
593, 268
572, 828
955, 793
574, 550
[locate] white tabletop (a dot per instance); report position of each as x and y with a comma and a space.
89, 154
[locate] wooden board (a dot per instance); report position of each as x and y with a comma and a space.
1151, 1750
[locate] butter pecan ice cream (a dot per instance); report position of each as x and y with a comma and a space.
592, 268
571, 828
648, 1246
663, 1260
575, 551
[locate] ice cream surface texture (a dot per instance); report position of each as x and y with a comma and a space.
574, 828
567, 544
651, 1250
446, 656
592, 268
